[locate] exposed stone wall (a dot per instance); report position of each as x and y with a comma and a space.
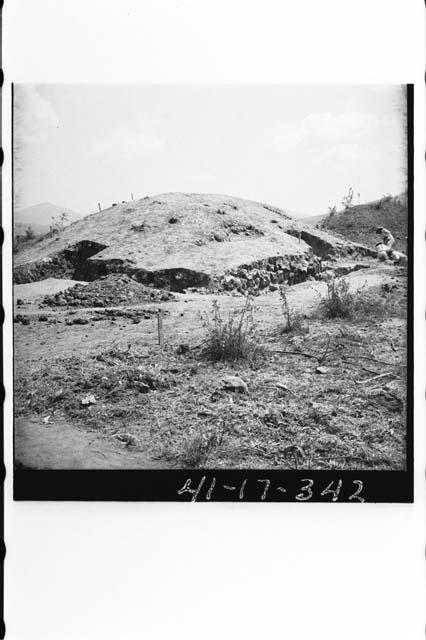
270, 273
258, 275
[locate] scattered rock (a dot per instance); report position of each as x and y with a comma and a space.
128, 439
234, 383
89, 399
80, 321
111, 290
322, 370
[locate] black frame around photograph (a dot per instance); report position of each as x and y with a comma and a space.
239, 485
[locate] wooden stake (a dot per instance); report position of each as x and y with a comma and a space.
131, 195
160, 327
99, 206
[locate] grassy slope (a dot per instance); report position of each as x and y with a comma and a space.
359, 224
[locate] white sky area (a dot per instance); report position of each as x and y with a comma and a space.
296, 147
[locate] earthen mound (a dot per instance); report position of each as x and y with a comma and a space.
182, 240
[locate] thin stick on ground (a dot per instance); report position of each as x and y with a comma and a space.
382, 375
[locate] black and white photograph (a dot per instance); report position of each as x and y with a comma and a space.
210, 277
213, 296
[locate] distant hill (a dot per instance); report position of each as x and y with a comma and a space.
359, 223
39, 217
314, 219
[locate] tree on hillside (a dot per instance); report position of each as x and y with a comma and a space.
58, 223
348, 199
29, 233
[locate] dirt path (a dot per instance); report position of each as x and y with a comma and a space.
61, 445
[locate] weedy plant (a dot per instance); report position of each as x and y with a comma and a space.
197, 448
292, 319
234, 337
339, 300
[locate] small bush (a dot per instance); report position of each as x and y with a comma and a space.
292, 319
194, 452
197, 448
234, 337
339, 301
58, 224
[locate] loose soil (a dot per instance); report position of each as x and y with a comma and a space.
114, 289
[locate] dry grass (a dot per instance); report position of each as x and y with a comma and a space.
341, 301
234, 337
359, 224
338, 420
293, 320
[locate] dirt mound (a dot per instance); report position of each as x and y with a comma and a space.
359, 223
177, 241
112, 290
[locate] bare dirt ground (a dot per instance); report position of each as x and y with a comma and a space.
328, 396
60, 445
34, 291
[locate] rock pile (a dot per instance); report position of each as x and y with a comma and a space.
269, 274
113, 290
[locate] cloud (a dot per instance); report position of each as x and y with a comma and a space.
34, 116
355, 155
142, 138
318, 129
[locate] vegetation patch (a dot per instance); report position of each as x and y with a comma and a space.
231, 337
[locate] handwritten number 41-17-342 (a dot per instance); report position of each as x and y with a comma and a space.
306, 490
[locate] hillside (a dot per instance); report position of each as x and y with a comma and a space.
178, 240
313, 220
39, 217
360, 222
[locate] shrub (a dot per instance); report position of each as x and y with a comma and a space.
58, 224
339, 300
234, 337
197, 448
194, 451
293, 319
348, 199
377, 302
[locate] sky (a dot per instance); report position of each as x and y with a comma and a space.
296, 147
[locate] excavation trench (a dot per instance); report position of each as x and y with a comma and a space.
72, 263
326, 250
79, 263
